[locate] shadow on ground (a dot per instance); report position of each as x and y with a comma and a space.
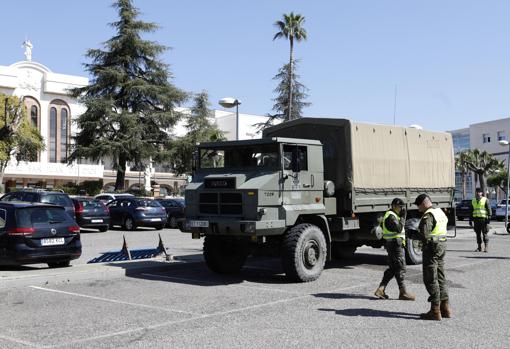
373, 313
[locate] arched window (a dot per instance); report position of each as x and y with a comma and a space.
53, 134
64, 135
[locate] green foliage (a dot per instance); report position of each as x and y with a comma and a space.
130, 102
18, 137
499, 179
482, 164
68, 188
199, 129
291, 28
281, 106
92, 187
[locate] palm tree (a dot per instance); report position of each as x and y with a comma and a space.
483, 164
291, 29
461, 165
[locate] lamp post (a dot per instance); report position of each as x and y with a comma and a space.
230, 102
505, 143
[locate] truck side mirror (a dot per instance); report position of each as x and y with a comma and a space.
295, 165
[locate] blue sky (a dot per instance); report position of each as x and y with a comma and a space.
450, 60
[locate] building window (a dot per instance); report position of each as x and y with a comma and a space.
64, 135
486, 138
501, 136
34, 116
53, 134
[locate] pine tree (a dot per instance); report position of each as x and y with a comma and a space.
199, 129
130, 101
281, 104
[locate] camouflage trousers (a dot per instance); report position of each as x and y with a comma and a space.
396, 263
433, 271
481, 229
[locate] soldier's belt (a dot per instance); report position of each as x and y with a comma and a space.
436, 239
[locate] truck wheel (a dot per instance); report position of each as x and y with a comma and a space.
224, 256
413, 252
342, 250
304, 252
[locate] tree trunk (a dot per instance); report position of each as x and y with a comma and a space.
463, 176
3, 166
291, 79
121, 173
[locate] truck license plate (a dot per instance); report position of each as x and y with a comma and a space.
52, 241
199, 224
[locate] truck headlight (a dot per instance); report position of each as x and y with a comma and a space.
249, 228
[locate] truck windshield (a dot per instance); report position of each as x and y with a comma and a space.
262, 155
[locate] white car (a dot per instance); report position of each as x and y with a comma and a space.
107, 197
501, 210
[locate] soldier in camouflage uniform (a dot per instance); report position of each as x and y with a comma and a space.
394, 236
432, 232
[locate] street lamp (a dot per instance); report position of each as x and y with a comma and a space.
505, 143
230, 102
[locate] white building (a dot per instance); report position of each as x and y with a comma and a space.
51, 110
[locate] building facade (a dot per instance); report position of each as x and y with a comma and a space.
45, 95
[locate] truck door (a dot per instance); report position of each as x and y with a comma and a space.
297, 178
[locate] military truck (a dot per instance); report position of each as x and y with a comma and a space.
312, 189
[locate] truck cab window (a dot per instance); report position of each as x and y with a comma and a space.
295, 157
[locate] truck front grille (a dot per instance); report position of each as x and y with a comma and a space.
221, 203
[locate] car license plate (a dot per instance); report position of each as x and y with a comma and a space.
199, 224
96, 221
155, 219
52, 241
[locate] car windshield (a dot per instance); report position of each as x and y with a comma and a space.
148, 203
262, 155
27, 217
91, 203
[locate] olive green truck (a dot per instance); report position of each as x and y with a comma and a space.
312, 189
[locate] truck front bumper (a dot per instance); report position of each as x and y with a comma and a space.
236, 228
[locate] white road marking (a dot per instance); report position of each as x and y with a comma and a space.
114, 301
19, 341
214, 283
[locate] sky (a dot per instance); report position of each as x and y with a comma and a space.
448, 60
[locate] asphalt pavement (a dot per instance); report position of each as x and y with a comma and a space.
180, 303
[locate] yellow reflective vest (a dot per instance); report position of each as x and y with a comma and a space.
441, 228
479, 210
388, 234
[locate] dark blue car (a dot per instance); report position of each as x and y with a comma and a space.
37, 233
130, 213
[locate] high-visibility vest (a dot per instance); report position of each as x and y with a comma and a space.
387, 234
479, 210
440, 230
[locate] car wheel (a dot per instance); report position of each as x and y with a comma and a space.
61, 264
172, 221
103, 229
129, 224
304, 252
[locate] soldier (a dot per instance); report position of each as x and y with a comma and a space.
481, 217
432, 232
394, 236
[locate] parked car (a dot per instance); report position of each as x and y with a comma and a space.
91, 213
501, 210
37, 233
174, 211
43, 196
107, 197
131, 212
463, 210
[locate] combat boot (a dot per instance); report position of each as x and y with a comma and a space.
433, 314
379, 293
486, 247
479, 249
446, 311
406, 296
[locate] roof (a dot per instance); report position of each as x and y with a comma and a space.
260, 141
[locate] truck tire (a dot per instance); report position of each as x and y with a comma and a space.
413, 252
342, 250
304, 252
224, 256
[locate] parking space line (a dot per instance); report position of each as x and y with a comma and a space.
19, 341
225, 284
113, 300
